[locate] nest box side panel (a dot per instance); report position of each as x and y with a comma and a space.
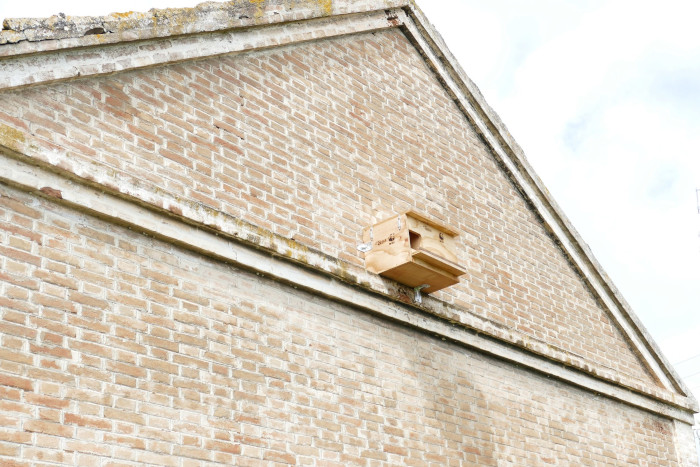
390, 244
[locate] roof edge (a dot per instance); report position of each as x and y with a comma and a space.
33, 35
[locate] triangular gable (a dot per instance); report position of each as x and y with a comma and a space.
203, 32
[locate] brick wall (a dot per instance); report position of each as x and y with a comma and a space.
314, 142
119, 349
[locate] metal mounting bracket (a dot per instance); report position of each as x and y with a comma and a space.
365, 247
418, 298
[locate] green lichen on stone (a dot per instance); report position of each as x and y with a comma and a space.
12, 138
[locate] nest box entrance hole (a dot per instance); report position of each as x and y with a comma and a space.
415, 239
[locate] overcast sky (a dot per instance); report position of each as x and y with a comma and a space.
604, 97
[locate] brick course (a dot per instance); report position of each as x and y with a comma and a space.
217, 366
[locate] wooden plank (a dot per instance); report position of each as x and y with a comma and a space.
431, 222
414, 274
443, 263
390, 245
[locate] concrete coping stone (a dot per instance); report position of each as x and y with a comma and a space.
63, 31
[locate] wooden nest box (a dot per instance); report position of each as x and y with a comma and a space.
412, 250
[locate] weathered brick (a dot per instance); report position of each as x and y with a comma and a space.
54, 302
98, 423
49, 428
19, 277
21, 256
16, 382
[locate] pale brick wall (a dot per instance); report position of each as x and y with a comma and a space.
118, 349
314, 142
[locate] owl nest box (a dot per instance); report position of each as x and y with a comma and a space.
412, 250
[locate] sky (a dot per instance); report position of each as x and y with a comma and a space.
604, 98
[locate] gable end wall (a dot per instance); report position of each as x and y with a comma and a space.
255, 150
